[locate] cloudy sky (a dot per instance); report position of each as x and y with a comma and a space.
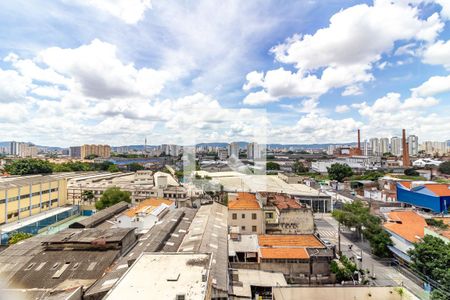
306, 71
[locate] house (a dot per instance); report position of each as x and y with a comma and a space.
245, 212
302, 258
406, 227
285, 215
145, 214
431, 196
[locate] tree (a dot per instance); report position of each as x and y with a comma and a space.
298, 167
344, 268
339, 172
133, 167
112, 196
113, 168
431, 257
358, 216
18, 236
411, 172
28, 166
445, 167
91, 156
272, 166
87, 196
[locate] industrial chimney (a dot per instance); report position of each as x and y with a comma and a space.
359, 140
406, 161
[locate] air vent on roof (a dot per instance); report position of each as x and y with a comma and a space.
174, 277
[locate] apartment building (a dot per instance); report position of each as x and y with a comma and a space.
103, 151
21, 197
245, 212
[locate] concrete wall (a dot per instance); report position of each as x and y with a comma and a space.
341, 293
34, 198
247, 221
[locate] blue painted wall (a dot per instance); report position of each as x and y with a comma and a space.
420, 199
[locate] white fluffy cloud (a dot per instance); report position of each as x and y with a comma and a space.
438, 54
316, 128
343, 52
433, 86
99, 73
389, 114
342, 108
13, 86
129, 11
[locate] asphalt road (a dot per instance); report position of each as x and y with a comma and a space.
386, 275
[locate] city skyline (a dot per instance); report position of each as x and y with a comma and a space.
114, 72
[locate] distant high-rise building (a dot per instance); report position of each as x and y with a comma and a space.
396, 146
75, 152
384, 145
254, 151
413, 145
375, 146
27, 150
103, 151
14, 148
330, 149
233, 150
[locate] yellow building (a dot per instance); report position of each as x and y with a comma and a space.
103, 151
25, 196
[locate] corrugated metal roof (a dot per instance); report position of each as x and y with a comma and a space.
101, 216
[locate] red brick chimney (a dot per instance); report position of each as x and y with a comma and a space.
359, 140
406, 161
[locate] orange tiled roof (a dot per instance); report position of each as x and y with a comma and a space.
406, 184
284, 253
300, 240
284, 202
441, 190
244, 201
149, 205
407, 224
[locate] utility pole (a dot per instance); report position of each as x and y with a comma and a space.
339, 238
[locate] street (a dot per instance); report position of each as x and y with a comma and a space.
386, 275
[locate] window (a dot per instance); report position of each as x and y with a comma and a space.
253, 228
254, 216
234, 216
269, 215
243, 216
242, 228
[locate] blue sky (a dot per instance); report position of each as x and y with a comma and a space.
117, 71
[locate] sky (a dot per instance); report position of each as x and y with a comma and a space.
292, 72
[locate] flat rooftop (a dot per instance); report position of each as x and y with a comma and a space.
248, 278
177, 274
238, 182
16, 181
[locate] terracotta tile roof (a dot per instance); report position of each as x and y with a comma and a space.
406, 184
300, 240
442, 190
244, 201
284, 202
406, 224
147, 205
284, 253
